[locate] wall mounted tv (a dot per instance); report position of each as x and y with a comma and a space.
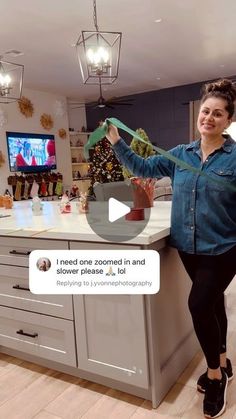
31, 153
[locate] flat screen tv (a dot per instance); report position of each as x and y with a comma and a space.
31, 153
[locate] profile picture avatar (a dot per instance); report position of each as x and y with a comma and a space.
43, 264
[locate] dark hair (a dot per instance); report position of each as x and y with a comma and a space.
223, 89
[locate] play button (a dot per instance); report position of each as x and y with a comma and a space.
116, 210
107, 219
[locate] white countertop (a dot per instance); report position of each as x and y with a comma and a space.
74, 226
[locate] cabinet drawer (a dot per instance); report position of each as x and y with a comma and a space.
44, 336
14, 292
15, 251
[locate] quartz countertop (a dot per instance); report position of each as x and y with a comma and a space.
51, 224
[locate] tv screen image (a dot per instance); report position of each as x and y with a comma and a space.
31, 153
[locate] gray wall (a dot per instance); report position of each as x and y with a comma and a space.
163, 114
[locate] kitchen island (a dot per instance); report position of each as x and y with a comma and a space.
139, 344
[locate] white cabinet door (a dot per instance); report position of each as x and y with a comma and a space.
111, 337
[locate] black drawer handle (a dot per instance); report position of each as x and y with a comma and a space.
18, 287
31, 335
15, 252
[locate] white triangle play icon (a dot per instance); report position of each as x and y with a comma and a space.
116, 209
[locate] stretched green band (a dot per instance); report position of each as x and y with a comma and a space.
101, 132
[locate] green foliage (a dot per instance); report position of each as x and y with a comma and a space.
141, 149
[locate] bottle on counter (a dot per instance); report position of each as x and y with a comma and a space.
83, 204
37, 206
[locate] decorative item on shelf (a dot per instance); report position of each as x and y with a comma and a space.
46, 121
11, 79
79, 143
74, 159
3, 117
83, 204
83, 129
62, 133
59, 108
26, 107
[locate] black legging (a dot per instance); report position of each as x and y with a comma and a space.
210, 275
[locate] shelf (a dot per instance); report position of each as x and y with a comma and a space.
79, 164
78, 139
82, 178
79, 133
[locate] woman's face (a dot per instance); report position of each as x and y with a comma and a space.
213, 118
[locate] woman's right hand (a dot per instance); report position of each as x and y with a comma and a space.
112, 134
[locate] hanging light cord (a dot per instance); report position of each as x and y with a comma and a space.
95, 15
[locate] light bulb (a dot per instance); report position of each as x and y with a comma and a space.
7, 80
103, 53
97, 56
90, 55
2, 78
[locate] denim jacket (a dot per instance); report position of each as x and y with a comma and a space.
203, 216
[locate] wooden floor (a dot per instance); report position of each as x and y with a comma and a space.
30, 391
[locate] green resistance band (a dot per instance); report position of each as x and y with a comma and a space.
102, 130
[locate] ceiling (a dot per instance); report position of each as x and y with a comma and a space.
195, 41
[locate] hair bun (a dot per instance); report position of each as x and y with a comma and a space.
224, 86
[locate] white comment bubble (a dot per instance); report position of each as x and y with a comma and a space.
94, 272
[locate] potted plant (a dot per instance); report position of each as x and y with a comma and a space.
143, 189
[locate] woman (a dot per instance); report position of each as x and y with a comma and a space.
203, 227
